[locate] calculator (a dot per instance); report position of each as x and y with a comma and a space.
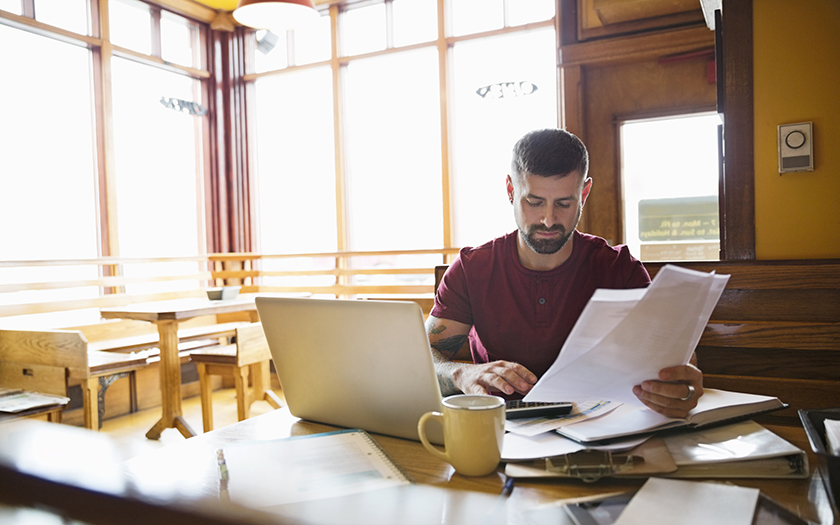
518, 409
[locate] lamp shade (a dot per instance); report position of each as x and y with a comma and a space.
277, 15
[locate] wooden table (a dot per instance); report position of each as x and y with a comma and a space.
438, 483
166, 315
182, 481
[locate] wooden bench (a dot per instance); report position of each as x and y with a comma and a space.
45, 361
51, 360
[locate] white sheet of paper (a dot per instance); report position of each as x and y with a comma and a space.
677, 502
519, 448
624, 337
549, 444
532, 426
832, 436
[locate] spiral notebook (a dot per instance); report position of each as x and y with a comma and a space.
261, 474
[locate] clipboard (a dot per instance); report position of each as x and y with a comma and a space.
649, 458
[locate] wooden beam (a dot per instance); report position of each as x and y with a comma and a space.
636, 48
189, 8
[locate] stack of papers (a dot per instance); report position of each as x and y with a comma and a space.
16, 400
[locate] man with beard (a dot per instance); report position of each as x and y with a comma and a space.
517, 297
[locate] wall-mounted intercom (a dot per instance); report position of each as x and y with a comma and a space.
796, 147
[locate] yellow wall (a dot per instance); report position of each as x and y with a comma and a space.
797, 79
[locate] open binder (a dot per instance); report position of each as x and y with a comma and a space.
740, 450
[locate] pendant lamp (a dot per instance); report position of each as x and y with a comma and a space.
275, 15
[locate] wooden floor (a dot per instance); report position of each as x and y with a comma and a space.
131, 429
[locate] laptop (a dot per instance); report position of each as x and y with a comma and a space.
354, 363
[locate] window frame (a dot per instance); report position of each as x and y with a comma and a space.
102, 50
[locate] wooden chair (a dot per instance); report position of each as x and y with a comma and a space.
43, 361
249, 355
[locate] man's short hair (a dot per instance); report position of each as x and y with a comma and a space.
549, 152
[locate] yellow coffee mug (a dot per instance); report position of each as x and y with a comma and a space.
473, 430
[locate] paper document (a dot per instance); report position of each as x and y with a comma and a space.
304, 468
669, 501
551, 444
832, 436
20, 401
714, 406
624, 337
532, 426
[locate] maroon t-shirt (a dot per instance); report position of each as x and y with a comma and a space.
523, 315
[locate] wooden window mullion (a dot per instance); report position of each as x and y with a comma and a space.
156, 35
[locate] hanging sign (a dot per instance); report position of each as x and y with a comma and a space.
507, 90
184, 106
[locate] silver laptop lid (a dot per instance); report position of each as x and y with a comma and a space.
359, 364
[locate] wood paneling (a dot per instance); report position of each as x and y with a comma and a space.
737, 200
622, 91
775, 331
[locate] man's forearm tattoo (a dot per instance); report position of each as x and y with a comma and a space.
443, 370
449, 347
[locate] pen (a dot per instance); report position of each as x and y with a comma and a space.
508, 488
223, 476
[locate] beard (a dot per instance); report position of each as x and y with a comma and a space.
546, 246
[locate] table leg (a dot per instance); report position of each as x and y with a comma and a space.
170, 383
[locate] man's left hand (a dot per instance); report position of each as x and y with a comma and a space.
675, 393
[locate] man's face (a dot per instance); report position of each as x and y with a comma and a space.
547, 209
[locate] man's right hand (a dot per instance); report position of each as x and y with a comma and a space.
496, 376
446, 338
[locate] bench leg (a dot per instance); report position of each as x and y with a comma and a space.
206, 390
132, 392
104, 383
90, 387
54, 417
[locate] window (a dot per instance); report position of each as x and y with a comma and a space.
131, 25
47, 172
363, 30
393, 152
47, 141
496, 98
296, 173
309, 45
12, 6
415, 21
296, 178
179, 40
66, 14
155, 150
389, 189
670, 175
67, 202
